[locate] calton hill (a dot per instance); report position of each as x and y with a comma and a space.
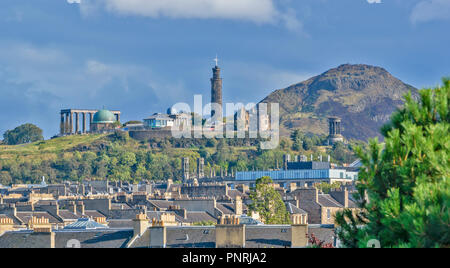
116, 156
363, 96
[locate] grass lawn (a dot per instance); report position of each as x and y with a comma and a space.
56, 145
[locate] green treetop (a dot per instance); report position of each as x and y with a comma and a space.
26, 133
268, 203
403, 187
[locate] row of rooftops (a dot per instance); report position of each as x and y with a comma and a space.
114, 214
258, 236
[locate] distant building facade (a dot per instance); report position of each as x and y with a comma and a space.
159, 120
307, 173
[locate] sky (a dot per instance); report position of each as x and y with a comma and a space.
143, 56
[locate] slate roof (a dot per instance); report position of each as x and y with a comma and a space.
266, 236
25, 216
161, 204
107, 238
275, 236
119, 206
141, 242
292, 209
191, 237
198, 216
120, 223
233, 193
67, 215
225, 208
23, 239
93, 214
327, 201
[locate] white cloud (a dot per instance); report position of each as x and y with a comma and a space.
430, 10
74, 1
374, 1
291, 22
256, 11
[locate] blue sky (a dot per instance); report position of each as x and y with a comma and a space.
142, 56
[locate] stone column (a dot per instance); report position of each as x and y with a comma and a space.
91, 119
77, 123
84, 123
66, 124
62, 127
71, 123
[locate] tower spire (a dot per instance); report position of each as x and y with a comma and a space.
217, 60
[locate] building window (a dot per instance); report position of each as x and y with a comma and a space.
328, 214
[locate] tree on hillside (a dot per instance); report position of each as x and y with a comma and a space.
404, 187
26, 133
326, 187
268, 203
297, 138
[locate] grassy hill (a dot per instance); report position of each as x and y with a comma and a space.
54, 146
118, 157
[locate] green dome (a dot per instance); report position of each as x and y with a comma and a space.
104, 117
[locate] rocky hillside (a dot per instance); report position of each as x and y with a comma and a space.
363, 96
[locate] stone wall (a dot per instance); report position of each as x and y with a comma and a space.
324, 215
144, 135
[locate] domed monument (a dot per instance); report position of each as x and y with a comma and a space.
103, 120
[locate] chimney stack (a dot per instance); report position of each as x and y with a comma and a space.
238, 210
81, 208
299, 234
158, 234
140, 224
230, 233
